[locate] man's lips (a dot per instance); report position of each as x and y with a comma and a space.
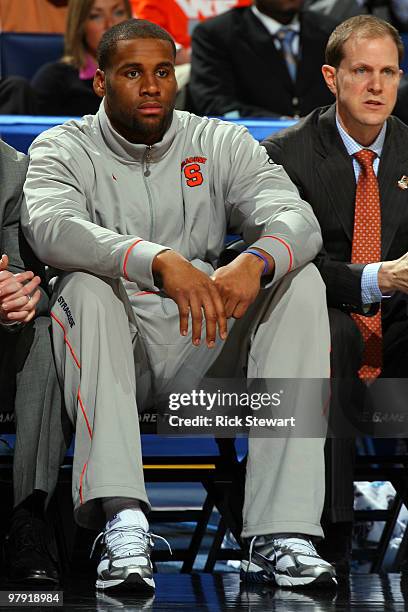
150, 108
374, 103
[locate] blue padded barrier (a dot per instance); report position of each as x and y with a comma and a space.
19, 130
23, 54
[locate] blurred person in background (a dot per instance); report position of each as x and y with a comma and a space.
65, 87
394, 11
34, 16
179, 18
260, 61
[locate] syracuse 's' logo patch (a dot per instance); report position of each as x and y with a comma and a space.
192, 170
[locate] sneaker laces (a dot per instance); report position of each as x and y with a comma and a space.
299, 545
135, 536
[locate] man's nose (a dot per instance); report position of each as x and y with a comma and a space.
150, 85
375, 84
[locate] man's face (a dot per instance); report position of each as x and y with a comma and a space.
365, 84
278, 9
140, 89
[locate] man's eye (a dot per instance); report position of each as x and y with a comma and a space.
162, 72
389, 71
132, 74
360, 70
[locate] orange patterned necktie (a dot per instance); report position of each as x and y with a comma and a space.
366, 248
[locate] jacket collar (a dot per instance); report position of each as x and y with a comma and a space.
127, 151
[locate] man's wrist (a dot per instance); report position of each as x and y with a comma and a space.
386, 277
262, 259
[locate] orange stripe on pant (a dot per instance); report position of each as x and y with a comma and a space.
66, 340
79, 399
81, 499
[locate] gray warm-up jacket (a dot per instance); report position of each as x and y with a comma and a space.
98, 203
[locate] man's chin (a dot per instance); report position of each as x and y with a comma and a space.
152, 126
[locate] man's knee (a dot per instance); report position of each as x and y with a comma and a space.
307, 288
84, 291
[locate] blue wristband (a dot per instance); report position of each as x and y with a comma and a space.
258, 254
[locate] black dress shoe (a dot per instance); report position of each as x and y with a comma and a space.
30, 550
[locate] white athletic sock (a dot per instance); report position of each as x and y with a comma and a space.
129, 517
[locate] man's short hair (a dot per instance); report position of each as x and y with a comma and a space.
362, 26
128, 30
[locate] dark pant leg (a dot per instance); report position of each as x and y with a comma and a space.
43, 431
346, 355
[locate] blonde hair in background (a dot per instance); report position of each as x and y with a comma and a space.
74, 39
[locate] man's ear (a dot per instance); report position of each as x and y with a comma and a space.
99, 83
329, 75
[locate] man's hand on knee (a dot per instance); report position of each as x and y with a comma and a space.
18, 294
240, 281
194, 292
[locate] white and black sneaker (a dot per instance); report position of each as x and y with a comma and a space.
288, 560
125, 558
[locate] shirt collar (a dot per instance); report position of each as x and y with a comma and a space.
274, 26
354, 147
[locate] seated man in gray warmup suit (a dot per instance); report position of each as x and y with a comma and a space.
137, 198
29, 382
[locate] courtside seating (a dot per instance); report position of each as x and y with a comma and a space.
23, 54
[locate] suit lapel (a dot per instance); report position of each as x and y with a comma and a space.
310, 49
394, 201
336, 171
258, 39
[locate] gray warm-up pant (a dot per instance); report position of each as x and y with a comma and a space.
285, 334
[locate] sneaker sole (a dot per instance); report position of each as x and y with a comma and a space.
250, 572
34, 578
132, 582
253, 573
324, 580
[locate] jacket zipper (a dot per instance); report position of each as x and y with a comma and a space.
147, 158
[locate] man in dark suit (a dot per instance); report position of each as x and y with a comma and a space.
322, 155
27, 380
263, 60
394, 11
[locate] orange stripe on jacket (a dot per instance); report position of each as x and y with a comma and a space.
285, 245
127, 257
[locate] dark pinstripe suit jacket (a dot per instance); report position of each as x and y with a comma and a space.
316, 160
13, 168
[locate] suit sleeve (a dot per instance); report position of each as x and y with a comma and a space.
59, 228
342, 279
213, 87
264, 206
13, 243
